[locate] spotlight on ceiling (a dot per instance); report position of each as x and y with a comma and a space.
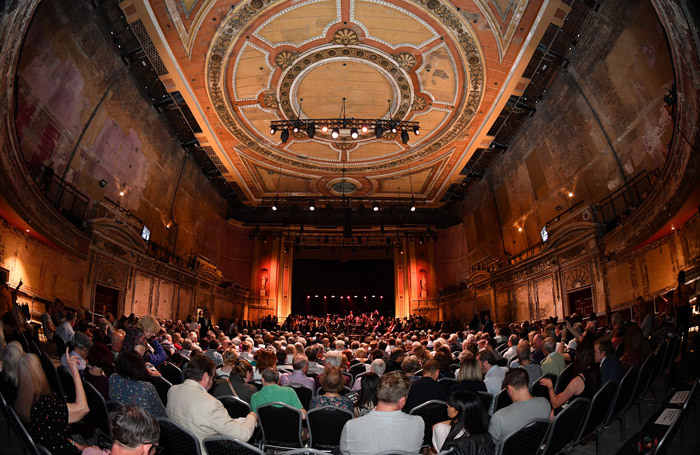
324, 128
296, 128
364, 129
273, 130
404, 136
378, 131
335, 134
311, 130
392, 127
413, 204
284, 135
416, 131
312, 206
274, 205
375, 207
354, 133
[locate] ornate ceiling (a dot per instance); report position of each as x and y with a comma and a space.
239, 66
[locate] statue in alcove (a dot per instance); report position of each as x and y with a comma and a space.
263, 285
423, 285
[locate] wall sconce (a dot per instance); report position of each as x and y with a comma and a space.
103, 183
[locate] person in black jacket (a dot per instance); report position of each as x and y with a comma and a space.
427, 388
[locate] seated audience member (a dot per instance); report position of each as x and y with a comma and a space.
298, 375
213, 353
229, 358
367, 398
410, 365
377, 366
534, 371
9, 376
332, 381
493, 374
427, 387
395, 359
271, 391
512, 347
190, 406
333, 359
553, 362
467, 419
584, 384
65, 329
47, 322
618, 329
469, 376
81, 347
610, 367
141, 338
264, 359
129, 384
99, 362
117, 339
359, 356
398, 430
237, 382
134, 431
537, 354
523, 409
247, 351
45, 416
637, 348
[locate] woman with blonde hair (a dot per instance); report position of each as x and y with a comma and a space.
141, 337
10, 371
469, 376
45, 416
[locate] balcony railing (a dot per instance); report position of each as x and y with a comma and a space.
62, 195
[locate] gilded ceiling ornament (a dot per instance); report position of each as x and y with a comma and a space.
271, 101
346, 37
344, 145
285, 58
418, 104
405, 60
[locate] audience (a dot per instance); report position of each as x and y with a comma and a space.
9, 376
427, 387
467, 418
130, 384
585, 382
271, 392
610, 367
332, 381
99, 366
81, 346
133, 430
367, 398
493, 374
553, 363
298, 375
469, 376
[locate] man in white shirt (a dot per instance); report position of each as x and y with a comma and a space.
493, 374
512, 350
65, 329
81, 347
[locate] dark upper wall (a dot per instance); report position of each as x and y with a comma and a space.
79, 110
602, 122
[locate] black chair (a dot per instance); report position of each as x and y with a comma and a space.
538, 390
566, 427
34, 349
503, 400
176, 440
325, 426
527, 440
304, 393
25, 439
162, 386
643, 382
623, 398
447, 382
66, 379
431, 412
281, 425
599, 412
236, 407
486, 400
565, 377
305, 451
60, 344
659, 359
172, 373
257, 383
112, 405
357, 369
98, 414
349, 376
52, 376
220, 445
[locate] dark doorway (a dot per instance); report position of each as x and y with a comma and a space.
323, 287
581, 301
106, 300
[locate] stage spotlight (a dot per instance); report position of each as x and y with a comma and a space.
392, 128
364, 128
274, 205
311, 130
324, 128
335, 134
413, 204
284, 135
273, 130
296, 127
312, 206
404, 136
375, 207
354, 133
416, 131
378, 131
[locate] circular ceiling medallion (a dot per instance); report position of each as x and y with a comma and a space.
343, 187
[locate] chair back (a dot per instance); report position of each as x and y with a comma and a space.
172, 373
176, 440
565, 377
623, 398
486, 400
599, 410
671, 351
447, 382
305, 451
221, 445
357, 369
325, 426
280, 424
66, 379
644, 378
162, 386
538, 390
659, 361
34, 349
98, 408
527, 440
566, 427
304, 393
431, 412
503, 400
236, 407
52, 376
257, 383
30, 447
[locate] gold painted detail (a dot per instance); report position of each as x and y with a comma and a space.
419, 104
346, 37
344, 145
270, 101
285, 58
405, 60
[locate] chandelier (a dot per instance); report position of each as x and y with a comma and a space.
342, 126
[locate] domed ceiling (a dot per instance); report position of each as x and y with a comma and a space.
239, 66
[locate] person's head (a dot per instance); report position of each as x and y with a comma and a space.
393, 389
332, 380
265, 359
466, 412
201, 369
378, 366
213, 345
270, 376
585, 357
334, 359
602, 348
486, 360
360, 354
99, 356
81, 344
230, 357
523, 352
368, 390
396, 355
244, 369
149, 324
31, 384
117, 339
130, 365
10, 360
469, 370
410, 365
513, 340
548, 345
516, 381
134, 431
431, 369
